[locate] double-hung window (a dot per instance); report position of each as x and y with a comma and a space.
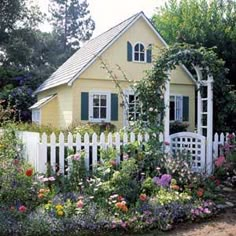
99, 106
179, 108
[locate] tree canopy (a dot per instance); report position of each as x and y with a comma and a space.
27, 55
211, 24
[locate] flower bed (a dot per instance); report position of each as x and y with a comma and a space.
148, 190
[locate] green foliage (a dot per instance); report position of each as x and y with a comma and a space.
72, 22
177, 126
164, 197
209, 24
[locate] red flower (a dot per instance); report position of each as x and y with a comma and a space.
143, 197
220, 161
22, 208
29, 172
217, 182
120, 198
80, 204
200, 192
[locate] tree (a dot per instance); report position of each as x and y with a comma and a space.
211, 24
72, 22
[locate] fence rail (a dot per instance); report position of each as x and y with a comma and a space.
42, 149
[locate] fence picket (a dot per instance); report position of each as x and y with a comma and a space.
109, 140
215, 146
132, 137
61, 153
78, 142
86, 149
53, 151
95, 150
125, 138
117, 145
70, 141
43, 155
140, 137
102, 141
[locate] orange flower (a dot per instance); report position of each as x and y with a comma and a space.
122, 206
175, 187
143, 197
200, 192
29, 172
40, 196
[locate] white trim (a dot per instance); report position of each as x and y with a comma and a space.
126, 93
144, 52
108, 106
47, 100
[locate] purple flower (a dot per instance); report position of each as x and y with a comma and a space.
164, 181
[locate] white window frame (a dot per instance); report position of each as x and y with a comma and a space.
36, 116
144, 61
178, 99
127, 93
108, 106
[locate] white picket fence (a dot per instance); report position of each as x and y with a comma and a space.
43, 149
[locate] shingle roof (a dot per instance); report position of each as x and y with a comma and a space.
80, 59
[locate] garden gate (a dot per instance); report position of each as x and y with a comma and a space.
192, 144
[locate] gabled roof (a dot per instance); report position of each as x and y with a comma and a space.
78, 61
87, 54
42, 102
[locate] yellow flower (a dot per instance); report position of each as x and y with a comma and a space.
60, 213
59, 207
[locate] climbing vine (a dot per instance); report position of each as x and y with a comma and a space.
150, 90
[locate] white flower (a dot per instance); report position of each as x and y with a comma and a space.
151, 109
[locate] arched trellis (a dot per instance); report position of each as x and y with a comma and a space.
206, 65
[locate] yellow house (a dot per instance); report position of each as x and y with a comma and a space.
81, 91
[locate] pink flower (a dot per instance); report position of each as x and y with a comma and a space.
230, 136
206, 210
22, 208
220, 161
76, 157
166, 143
51, 178
80, 204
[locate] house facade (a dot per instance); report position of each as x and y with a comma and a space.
81, 91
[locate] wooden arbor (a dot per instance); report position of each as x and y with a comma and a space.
204, 113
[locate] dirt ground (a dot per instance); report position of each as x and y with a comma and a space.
223, 225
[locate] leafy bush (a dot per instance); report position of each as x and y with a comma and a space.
177, 126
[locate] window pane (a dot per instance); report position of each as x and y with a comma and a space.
141, 56
95, 100
131, 98
172, 110
103, 100
141, 48
103, 113
136, 48
136, 56
95, 113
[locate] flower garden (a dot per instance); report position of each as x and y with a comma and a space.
148, 190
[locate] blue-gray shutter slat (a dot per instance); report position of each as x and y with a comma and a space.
185, 108
149, 53
129, 51
84, 105
114, 107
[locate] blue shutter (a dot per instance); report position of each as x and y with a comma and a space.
84, 106
149, 53
129, 51
185, 108
114, 107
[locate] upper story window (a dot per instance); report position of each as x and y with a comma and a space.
36, 116
139, 52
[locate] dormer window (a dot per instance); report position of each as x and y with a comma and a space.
139, 52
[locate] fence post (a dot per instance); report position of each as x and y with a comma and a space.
31, 141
